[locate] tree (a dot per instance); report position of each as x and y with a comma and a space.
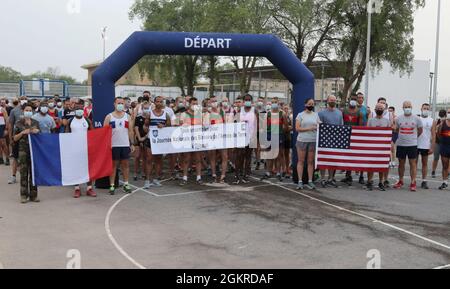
175, 15
392, 39
305, 25
52, 73
9, 74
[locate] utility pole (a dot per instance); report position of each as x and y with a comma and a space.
436, 65
374, 6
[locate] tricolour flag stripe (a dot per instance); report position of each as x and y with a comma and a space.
100, 153
46, 160
74, 162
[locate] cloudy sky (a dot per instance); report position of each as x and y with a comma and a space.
36, 34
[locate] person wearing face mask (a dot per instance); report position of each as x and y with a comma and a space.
80, 124
192, 117
330, 115
4, 149
437, 145
443, 132
410, 127
426, 142
15, 116
277, 126
140, 140
53, 112
180, 105
306, 124
24, 127
217, 117
157, 119
352, 117
243, 155
378, 121
122, 143
46, 122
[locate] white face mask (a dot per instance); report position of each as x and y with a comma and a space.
425, 113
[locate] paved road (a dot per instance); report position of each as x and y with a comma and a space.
258, 225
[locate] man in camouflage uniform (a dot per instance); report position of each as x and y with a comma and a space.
23, 128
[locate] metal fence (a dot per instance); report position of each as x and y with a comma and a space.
9, 89
39, 88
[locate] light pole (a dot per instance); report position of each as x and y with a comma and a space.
436, 65
431, 86
104, 29
374, 6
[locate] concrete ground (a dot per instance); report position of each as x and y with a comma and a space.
257, 225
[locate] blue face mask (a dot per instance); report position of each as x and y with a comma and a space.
275, 106
248, 104
27, 114
120, 107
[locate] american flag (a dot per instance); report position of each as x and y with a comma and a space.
355, 148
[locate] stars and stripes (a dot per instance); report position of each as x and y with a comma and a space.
353, 148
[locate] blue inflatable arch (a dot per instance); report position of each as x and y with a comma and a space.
144, 43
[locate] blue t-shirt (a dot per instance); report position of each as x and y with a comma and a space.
46, 122
334, 117
363, 110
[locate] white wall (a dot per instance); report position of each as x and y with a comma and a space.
396, 89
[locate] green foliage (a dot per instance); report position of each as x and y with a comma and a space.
9, 74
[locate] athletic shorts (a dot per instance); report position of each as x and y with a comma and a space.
423, 152
445, 151
121, 153
437, 152
306, 146
410, 152
2, 131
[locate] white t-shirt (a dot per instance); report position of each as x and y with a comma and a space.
79, 125
424, 141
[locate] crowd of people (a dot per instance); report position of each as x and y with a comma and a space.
270, 124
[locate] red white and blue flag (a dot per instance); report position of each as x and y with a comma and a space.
354, 148
71, 158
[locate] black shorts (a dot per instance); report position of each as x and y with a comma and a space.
121, 153
445, 151
2, 131
423, 152
410, 152
15, 150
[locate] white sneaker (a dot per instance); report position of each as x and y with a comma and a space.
147, 185
12, 180
157, 183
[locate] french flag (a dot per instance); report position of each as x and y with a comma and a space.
71, 158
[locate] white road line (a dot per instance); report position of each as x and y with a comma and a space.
226, 188
110, 235
366, 217
442, 267
142, 189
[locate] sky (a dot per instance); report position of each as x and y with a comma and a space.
36, 34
